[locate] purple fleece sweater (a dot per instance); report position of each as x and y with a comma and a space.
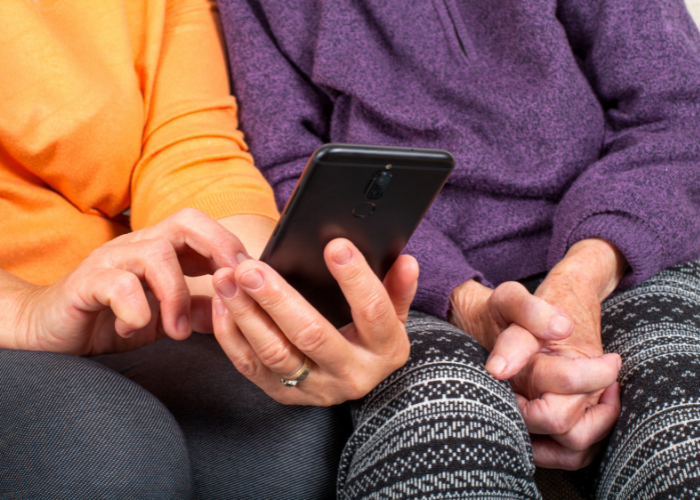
568, 119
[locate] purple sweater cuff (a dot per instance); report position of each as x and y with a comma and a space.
434, 289
443, 267
637, 241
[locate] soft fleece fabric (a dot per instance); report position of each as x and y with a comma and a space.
568, 120
106, 105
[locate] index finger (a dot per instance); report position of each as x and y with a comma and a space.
300, 322
512, 303
564, 375
553, 413
191, 229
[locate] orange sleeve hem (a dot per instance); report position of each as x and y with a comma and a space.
220, 205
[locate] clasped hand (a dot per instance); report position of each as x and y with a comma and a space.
549, 346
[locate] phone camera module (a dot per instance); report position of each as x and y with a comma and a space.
377, 186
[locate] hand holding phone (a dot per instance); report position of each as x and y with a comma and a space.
375, 196
269, 331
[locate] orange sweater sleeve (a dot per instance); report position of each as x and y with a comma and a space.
193, 153
108, 105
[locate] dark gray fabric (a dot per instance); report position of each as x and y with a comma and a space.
242, 443
73, 429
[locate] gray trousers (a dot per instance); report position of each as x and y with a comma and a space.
172, 420
175, 420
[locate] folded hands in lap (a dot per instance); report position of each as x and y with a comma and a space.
549, 346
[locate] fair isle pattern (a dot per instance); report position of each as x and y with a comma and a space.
654, 451
440, 427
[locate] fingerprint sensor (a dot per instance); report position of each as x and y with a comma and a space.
363, 210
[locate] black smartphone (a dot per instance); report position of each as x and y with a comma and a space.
374, 196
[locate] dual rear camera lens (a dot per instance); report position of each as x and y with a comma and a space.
377, 186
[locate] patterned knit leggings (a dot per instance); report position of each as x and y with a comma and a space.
441, 427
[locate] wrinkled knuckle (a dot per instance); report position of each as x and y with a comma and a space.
271, 297
160, 250
274, 356
556, 425
376, 311
247, 365
126, 284
311, 337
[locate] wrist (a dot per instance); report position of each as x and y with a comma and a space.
16, 305
467, 301
254, 231
595, 264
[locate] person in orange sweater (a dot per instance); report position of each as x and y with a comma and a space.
124, 183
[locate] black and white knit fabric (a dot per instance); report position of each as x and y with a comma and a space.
654, 451
441, 427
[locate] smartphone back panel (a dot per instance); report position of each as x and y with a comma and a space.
373, 196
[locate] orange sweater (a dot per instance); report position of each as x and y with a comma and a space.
112, 105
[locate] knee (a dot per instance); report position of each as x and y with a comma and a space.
442, 411
75, 429
445, 380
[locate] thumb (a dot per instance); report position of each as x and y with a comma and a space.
401, 283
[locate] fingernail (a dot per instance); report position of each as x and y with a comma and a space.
619, 364
226, 287
240, 257
496, 365
251, 279
128, 335
560, 326
183, 324
342, 256
218, 306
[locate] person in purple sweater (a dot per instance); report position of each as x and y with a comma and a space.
563, 243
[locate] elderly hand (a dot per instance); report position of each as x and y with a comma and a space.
508, 321
568, 393
268, 330
130, 291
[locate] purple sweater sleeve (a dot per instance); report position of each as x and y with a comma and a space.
642, 59
442, 268
285, 117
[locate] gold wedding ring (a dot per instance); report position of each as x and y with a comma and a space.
300, 375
